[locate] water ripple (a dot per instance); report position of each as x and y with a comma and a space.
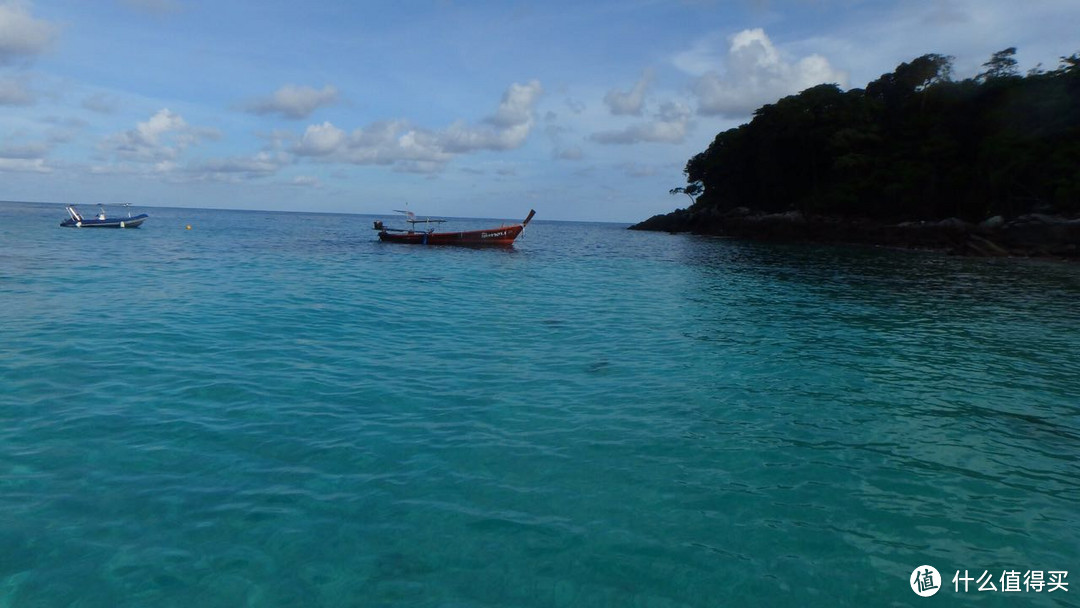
281, 411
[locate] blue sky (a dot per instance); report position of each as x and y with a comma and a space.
584, 110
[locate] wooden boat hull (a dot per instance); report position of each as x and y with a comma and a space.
500, 237
475, 238
123, 222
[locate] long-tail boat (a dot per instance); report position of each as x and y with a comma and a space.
413, 235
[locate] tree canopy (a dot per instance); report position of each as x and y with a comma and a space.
914, 144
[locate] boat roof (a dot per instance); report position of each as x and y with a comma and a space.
412, 219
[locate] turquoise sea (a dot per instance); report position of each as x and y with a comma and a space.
275, 409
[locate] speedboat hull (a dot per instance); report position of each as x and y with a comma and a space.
126, 222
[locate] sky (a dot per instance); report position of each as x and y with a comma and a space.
585, 110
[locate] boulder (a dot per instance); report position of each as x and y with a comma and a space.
954, 223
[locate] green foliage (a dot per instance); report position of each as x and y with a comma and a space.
915, 144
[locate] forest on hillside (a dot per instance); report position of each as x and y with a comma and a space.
914, 144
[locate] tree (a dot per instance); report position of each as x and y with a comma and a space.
1070, 64
914, 145
692, 190
910, 78
1001, 65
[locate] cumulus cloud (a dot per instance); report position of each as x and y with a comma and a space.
755, 73
144, 142
516, 107
321, 140
381, 143
669, 125
294, 102
161, 139
21, 34
416, 149
505, 130
629, 102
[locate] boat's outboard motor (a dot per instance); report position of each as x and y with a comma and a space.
378, 225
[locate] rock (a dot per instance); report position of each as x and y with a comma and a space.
1037, 218
954, 223
985, 247
679, 220
1028, 235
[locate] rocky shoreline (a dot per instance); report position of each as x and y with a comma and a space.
1030, 235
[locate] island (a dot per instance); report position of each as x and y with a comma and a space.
988, 165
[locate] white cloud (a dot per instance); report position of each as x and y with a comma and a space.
262, 164
24, 151
163, 137
669, 125
381, 143
516, 107
24, 158
15, 93
65, 129
321, 140
416, 149
629, 102
21, 35
306, 181
505, 130
24, 165
295, 102
755, 73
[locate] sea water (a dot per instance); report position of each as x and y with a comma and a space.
275, 409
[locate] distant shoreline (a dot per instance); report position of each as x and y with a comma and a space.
1030, 235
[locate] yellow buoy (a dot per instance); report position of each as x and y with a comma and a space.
188, 227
